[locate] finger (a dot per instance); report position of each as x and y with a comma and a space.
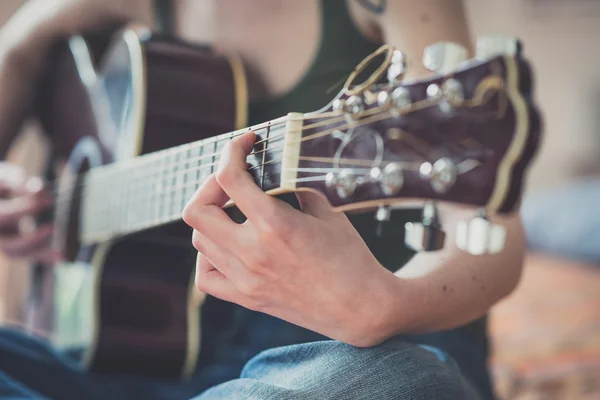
12, 210
46, 255
16, 180
220, 257
314, 204
28, 244
211, 281
204, 212
235, 180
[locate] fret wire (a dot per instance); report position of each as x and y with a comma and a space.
264, 153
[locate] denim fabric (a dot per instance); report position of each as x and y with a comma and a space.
317, 370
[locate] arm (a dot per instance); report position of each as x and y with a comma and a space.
413, 25
312, 268
28, 36
450, 287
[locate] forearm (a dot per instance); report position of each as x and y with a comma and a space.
449, 288
29, 35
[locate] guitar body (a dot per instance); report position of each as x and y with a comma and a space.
129, 302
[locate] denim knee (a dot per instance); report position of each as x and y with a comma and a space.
334, 370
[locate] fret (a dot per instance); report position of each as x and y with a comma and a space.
157, 194
163, 176
187, 177
263, 158
213, 159
175, 189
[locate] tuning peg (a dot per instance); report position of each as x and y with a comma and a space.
442, 174
493, 45
397, 68
344, 183
444, 57
480, 236
426, 235
383, 214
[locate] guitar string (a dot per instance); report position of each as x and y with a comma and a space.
106, 169
174, 205
462, 167
197, 169
375, 111
224, 138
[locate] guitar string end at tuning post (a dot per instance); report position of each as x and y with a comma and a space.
480, 236
444, 57
426, 235
352, 107
489, 46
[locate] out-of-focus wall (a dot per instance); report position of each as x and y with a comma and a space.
561, 38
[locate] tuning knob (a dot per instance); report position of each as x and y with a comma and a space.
495, 45
383, 214
397, 68
441, 175
444, 57
480, 236
344, 183
426, 235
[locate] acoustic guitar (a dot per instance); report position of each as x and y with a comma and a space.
144, 125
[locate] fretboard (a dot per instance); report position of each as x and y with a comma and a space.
152, 190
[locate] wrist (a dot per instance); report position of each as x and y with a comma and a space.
385, 312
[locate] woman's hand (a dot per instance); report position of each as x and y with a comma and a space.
310, 268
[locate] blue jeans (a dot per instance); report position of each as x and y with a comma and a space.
396, 369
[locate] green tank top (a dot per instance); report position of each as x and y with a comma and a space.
341, 48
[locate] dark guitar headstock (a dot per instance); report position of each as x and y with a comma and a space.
464, 135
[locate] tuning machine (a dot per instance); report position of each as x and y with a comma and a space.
345, 182
352, 107
444, 58
426, 235
479, 235
494, 45
397, 68
441, 175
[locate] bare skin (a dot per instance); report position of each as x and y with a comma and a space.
351, 297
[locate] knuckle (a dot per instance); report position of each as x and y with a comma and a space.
200, 283
226, 176
278, 228
253, 288
197, 241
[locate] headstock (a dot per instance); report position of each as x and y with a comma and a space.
466, 134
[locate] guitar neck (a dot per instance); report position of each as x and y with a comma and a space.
152, 190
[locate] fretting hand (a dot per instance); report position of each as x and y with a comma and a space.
310, 268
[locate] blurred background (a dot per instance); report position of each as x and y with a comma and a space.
546, 335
